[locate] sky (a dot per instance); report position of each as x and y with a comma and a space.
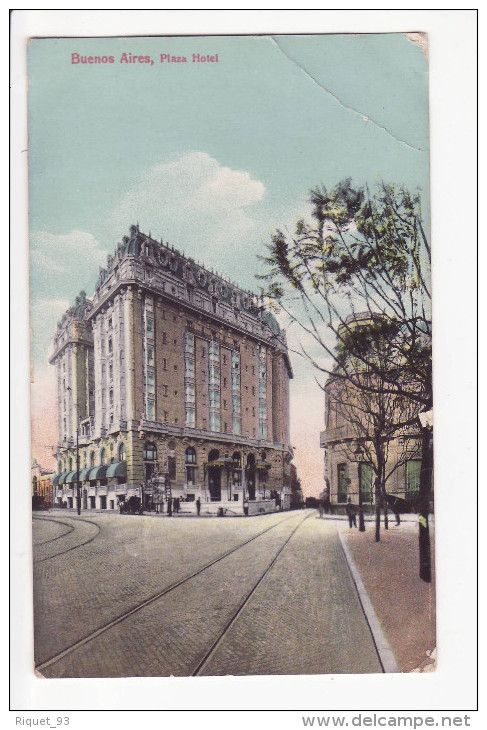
213, 157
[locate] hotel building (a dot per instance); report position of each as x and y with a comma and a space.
172, 381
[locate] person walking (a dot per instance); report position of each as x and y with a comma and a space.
350, 509
320, 509
198, 506
169, 506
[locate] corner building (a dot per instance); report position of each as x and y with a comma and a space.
173, 382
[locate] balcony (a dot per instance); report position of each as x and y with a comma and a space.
336, 434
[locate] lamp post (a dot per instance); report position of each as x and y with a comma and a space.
78, 486
425, 419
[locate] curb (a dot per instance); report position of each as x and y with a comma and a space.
383, 647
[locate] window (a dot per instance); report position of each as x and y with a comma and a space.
151, 410
151, 382
164, 364
150, 451
190, 455
110, 371
237, 425
111, 397
149, 326
366, 478
190, 416
92, 458
189, 343
214, 421
103, 457
164, 338
343, 481
164, 390
122, 452
150, 355
413, 473
110, 345
189, 394
189, 368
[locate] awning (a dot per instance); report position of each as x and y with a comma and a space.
56, 478
73, 476
83, 473
63, 479
97, 472
117, 469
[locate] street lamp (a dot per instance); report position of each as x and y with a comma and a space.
78, 485
425, 419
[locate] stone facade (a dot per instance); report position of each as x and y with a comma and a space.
179, 383
348, 453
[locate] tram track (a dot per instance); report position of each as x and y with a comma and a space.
242, 605
72, 547
159, 595
56, 522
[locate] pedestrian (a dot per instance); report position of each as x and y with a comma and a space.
198, 506
169, 506
397, 514
350, 509
320, 509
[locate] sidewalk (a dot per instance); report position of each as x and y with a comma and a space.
404, 604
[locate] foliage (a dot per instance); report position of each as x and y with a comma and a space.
360, 257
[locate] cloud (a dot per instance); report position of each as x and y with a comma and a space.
198, 205
63, 262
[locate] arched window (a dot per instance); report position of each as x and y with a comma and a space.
190, 455
92, 458
150, 451
190, 461
70, 464
122, 452
213, 455
103, 457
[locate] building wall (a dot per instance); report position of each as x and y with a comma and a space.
342, 446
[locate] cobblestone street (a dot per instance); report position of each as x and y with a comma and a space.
147, 596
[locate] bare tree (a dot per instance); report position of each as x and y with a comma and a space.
362, 256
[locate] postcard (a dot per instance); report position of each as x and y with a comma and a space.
232, 394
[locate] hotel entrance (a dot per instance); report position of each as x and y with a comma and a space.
214, 476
